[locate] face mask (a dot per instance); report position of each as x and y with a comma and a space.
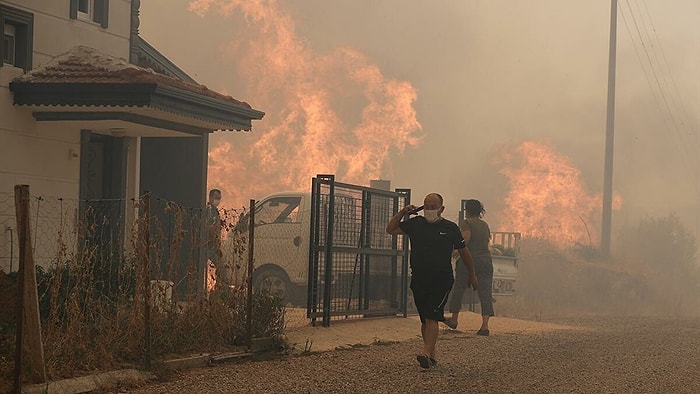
215, 203
431, 215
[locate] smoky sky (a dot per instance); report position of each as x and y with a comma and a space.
489, 75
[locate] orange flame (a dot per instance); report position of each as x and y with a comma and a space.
547, 199
325, 113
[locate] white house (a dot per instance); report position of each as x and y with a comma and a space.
89, 110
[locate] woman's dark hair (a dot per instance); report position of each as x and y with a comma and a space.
474, 208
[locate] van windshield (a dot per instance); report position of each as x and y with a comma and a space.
278, 210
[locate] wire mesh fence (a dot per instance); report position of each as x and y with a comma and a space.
129, 281
280, 248
360, 270
8, 246
50, 217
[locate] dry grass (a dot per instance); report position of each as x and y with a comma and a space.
93, 299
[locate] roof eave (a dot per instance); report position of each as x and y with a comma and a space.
175, 95
164, 65
82, 94
221, 114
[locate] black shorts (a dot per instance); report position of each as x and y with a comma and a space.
430, 297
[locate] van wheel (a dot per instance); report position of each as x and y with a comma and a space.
274, 281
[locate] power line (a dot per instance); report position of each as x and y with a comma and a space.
689, 122
687, 157
665, 91
663, 55
641, 63
691, 125
651, 64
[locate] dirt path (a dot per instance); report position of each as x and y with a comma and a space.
602, 355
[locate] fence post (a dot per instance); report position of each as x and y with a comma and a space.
251, 249
328, 269
405, 277
470, 292
312, 282
28, 334
146, 261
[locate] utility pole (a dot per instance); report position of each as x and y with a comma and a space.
609, 137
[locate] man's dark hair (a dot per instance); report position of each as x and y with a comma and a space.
214, 191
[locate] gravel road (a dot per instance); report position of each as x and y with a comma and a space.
602, 355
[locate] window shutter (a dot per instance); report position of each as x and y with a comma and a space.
105, 14
101, 13
23, 23
74, 9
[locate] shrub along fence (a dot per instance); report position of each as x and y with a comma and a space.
120, 283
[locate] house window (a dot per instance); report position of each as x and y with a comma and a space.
17, 27
90, 10
85, 8
8, 45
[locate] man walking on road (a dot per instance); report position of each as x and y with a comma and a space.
433, 239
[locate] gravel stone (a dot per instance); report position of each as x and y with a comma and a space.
597, 355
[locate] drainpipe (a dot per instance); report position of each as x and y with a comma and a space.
12, 245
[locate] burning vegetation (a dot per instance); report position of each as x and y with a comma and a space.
654, 269
547, 199
333, 112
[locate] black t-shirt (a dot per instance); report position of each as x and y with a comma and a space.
432, 245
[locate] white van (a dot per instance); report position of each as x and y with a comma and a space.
281, 249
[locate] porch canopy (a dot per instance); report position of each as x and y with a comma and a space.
84, 86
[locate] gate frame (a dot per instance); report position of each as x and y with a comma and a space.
316, 247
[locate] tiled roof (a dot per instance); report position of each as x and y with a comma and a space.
86, 65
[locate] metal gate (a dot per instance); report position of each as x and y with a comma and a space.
356, 269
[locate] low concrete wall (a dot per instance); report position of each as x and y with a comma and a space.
84, 384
